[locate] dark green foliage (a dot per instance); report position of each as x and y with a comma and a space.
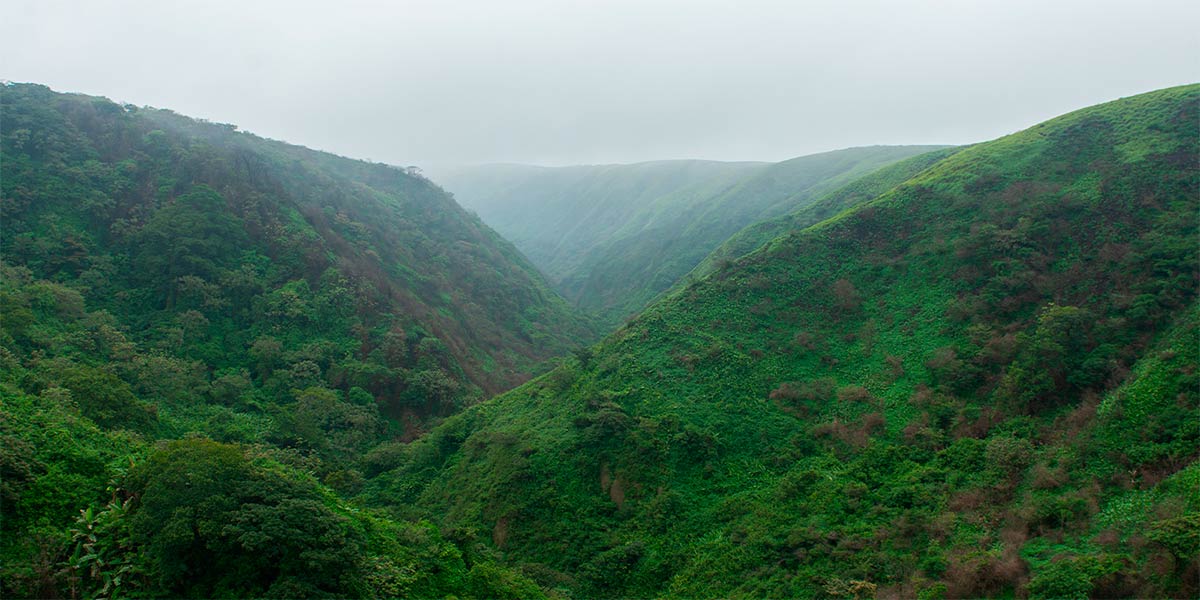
192, 239
201, 519
209, 524
105, 399
162, 278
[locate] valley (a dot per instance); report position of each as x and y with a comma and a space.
235, 367
612, 238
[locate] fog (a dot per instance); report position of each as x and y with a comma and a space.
556, 82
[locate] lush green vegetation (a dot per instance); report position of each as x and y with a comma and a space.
860, 190
982, 382
614, 237
230, 367
165, 278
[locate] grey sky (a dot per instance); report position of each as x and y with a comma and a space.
558, 82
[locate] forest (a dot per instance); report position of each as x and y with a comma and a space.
234, 367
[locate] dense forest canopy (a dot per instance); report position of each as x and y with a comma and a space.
164, 277
231, 367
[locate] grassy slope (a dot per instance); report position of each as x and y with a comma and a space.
945, 391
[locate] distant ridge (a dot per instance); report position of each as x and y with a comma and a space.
613, 237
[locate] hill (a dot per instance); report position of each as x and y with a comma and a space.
613, 237
160, 200
165, 278
982, 382
860, 190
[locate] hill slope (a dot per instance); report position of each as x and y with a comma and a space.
557, 215
161, 206
168, 279
860, 190
614, 237
982, 382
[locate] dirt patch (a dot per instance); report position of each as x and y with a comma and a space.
500, 532
615, 484
616, 492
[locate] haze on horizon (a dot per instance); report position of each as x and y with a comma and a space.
554, 82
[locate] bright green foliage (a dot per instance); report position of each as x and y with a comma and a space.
53, 463
105, 562
982, 382
614, 237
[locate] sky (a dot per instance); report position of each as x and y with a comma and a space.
555, 82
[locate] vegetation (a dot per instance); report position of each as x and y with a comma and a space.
615, 237
235, 368
982, 382
558, 215
163, 277
860, 190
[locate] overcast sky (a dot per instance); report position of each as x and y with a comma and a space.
560, 82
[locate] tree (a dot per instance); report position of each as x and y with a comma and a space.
195, 235
105, 399
846, 296
212, 523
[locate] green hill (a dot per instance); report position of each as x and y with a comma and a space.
860, 190
614, 237
156, 209
982, 382
165, 278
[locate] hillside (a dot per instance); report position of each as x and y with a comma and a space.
860, 190
165, 278
557, 215
982, 382
612, 238
94, 190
